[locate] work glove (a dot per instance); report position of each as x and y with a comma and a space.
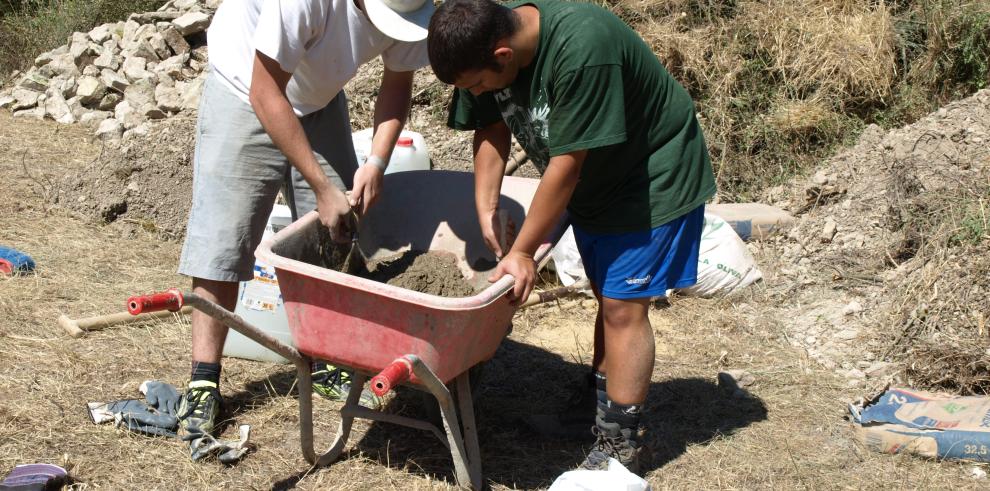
204, 445
156, 416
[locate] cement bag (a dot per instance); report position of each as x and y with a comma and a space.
925, 424
616, 478
724, 263
567, 259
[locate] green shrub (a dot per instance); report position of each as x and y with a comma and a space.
31, 27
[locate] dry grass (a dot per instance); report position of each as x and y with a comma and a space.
789, 435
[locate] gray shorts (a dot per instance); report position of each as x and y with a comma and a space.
237, 173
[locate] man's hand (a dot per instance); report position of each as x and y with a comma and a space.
367, 187
522, 267
499, 231
335, 214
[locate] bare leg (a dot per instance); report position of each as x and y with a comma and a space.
598, 358
629, 342
209, 334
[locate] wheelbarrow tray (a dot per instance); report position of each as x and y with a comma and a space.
364, 324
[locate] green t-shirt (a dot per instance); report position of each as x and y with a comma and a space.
595, 85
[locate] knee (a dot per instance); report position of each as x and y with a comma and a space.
619, 314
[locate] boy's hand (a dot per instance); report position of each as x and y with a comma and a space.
367, 187
522, 267
334, 210
499, 231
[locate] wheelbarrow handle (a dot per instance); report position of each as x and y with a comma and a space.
170, 299
393, 375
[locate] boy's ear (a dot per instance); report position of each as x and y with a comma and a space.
503, 54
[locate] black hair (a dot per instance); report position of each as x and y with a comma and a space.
463, 34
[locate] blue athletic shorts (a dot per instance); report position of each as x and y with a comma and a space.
643, 264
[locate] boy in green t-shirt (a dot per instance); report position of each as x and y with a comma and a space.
618, 145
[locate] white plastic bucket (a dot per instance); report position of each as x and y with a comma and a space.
259, 302
410, 152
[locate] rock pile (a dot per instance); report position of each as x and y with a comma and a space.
120, 76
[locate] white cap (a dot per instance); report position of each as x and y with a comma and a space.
402, 20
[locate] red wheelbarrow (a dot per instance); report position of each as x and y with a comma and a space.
386, 333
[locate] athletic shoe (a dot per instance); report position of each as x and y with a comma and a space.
200, 407
613, 441
334, 384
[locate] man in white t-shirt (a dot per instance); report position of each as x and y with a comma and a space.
272, 107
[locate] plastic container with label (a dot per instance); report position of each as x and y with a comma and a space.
259, 302
410, 152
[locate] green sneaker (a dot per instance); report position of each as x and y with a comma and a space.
200, 407
334, 384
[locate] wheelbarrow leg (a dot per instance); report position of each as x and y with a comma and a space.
466, 406
465, 477
306, 416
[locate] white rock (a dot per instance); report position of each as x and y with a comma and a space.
134, 68
63, 65
140, 93
34, 81
191, 23
94, 118
107, 59
114, 80
45, 58
91, 71
184, 4
128, 36
25, 99
213, 4
810, 340
101, 33
168, 98
91, 90
133, 187
829, 230
853, 307
140, 48
58, 109
172, 67
190, 96
977, 473
7, 100
137, 131
847, 334
33, 113
157, 42
200, 54
76, 107
79, 45
109, 129
64, 85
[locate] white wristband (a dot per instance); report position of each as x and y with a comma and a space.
376, 161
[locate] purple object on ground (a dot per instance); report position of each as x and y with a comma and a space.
34, 477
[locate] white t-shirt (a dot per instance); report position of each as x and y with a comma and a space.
320, 42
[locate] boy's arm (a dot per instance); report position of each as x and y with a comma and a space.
549, 203
391, 111
491, 150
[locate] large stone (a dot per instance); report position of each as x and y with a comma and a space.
24, 99
173, 66
7, 100
151, 18
100, 34
157, 42
34, 81
191, 94
33, 113
134, 68
201, 54
140, 93
60, 65
110, 101
94, 118
91, 71
58, 109
91, 90
114, 80
140, 49
64, 85
192, 23
110, 129
127, 115
47, 57
107, 59
128, 35
175, 40
76, 107
169, 99
184, 4
79, 45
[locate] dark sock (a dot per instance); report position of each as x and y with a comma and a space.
206, 371
600, 381
626, 415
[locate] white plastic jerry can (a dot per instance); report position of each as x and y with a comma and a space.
259, 302
410, 152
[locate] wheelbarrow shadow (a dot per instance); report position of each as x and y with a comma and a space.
522, 380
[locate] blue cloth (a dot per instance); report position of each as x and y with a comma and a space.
645, 263
19, 261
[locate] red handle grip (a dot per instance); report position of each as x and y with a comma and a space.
170, 299
396, 373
